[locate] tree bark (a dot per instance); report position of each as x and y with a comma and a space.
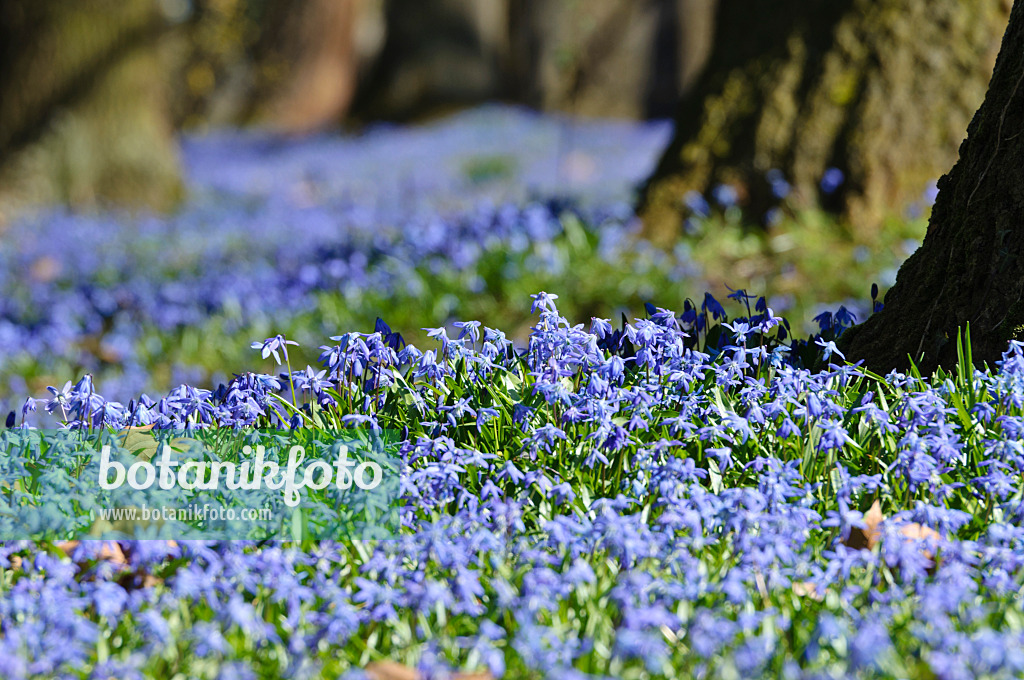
970, 268
599, 58
881, 89
83, 107
607, 58
307, 65
437, 56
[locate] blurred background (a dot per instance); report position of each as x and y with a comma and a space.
180, 177
106, 85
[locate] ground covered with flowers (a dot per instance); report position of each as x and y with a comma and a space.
676, 497
584, 494
460, 219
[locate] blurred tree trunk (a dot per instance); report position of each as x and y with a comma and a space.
607, 58
83, 111
601, 58
970, 268
306, 64
697, 31
436, 56
881, 89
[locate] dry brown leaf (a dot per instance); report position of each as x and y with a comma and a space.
139, 441
392, 670
110, 551
135, 580
867, 538
915, 531
143, 443
45, 269
919, 531
807, 589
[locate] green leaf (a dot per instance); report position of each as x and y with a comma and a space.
715, 475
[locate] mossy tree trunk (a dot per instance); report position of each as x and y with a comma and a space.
881, 89
970, 268
83, 109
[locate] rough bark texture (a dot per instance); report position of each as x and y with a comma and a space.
971, 265
881, 89
83, 110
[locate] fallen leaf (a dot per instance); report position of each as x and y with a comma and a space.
136, 580
915, 531
45, 269
110, 551
919, 531
807, 589
136, 437
866, 538
392, 670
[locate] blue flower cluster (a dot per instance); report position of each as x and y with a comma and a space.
83, 298
623, 503
271, 228
497, 153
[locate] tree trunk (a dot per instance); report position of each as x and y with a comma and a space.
83, 109
436, 56
307, 65
880, 89
970, 268
600, 58
607, 58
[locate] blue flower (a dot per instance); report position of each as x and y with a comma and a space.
697, 204
270, 346
830, 349
780, 187
832, 180
712, 305
725, 195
